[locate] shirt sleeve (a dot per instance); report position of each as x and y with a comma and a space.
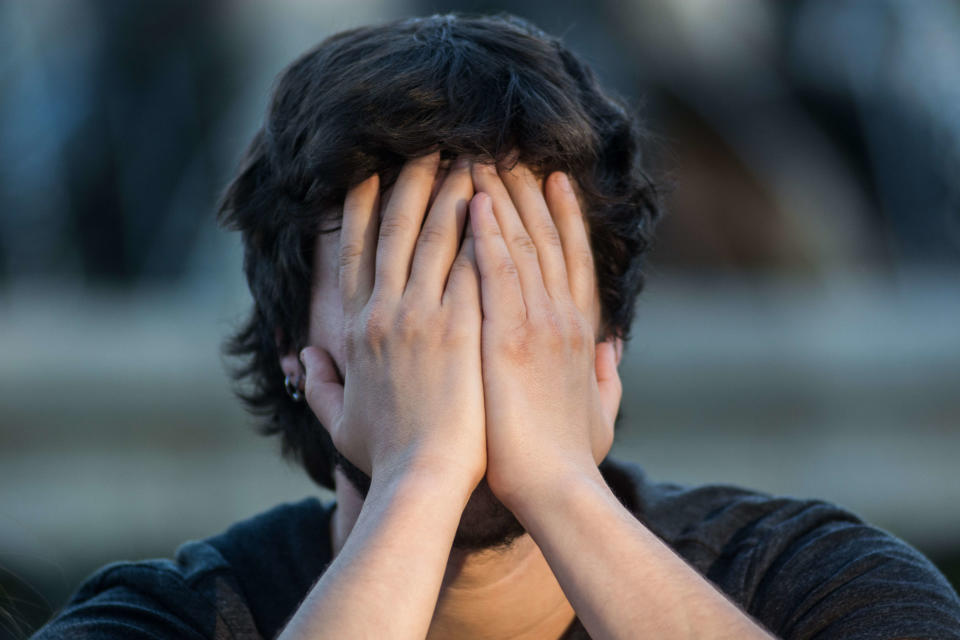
822, 574
118, 612
195, 597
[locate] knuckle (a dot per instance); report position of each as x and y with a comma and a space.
518, 350
392, 227
376, 325
518, 346
561, 330
431, 236
492, 230
553, 330
583, 259
524, 243
579, 330
506, 269
577, 341
409, 317
549, 234
350, 253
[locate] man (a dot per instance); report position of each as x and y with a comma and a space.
444, 220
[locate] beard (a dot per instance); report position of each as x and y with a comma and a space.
486, 524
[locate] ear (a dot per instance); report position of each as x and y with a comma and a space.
610, 391
289, 362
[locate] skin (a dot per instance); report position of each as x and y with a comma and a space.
516, 389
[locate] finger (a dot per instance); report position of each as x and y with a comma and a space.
323, 389
358, 244
437, 243
608, 379
514, 235
574, 237
458, 292
401, 221
525, 191
501, 296
462, 292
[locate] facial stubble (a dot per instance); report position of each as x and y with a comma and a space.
485, 524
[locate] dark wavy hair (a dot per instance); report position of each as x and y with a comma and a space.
368, 99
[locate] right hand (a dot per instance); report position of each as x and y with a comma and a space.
412, 395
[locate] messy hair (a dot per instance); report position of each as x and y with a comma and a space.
367, 100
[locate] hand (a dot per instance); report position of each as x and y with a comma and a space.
551, 394
412, 395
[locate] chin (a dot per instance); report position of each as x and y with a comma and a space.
484, 525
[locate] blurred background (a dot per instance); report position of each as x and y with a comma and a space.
799, 333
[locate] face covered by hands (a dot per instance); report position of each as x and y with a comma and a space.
416, 320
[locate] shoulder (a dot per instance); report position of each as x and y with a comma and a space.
206, 591
802, 567
277, 556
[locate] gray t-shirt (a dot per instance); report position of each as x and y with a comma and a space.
803, 568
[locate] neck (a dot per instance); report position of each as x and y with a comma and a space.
506, 593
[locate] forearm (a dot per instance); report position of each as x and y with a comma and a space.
621, 579
385, 580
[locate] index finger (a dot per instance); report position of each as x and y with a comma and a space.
358, 244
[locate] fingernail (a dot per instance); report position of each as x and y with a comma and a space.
302, 359
462, 162
483, 201
564, 182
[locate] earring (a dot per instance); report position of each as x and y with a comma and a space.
293, 388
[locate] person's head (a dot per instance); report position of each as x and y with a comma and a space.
365, 101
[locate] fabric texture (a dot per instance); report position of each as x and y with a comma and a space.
803, 568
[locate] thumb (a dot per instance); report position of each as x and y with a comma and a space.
608, 379
323, 389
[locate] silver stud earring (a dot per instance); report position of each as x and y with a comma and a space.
292, 385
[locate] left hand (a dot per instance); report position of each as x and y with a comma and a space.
550, 392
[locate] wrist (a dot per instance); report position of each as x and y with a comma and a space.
437, 478
574, 499
547, 487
